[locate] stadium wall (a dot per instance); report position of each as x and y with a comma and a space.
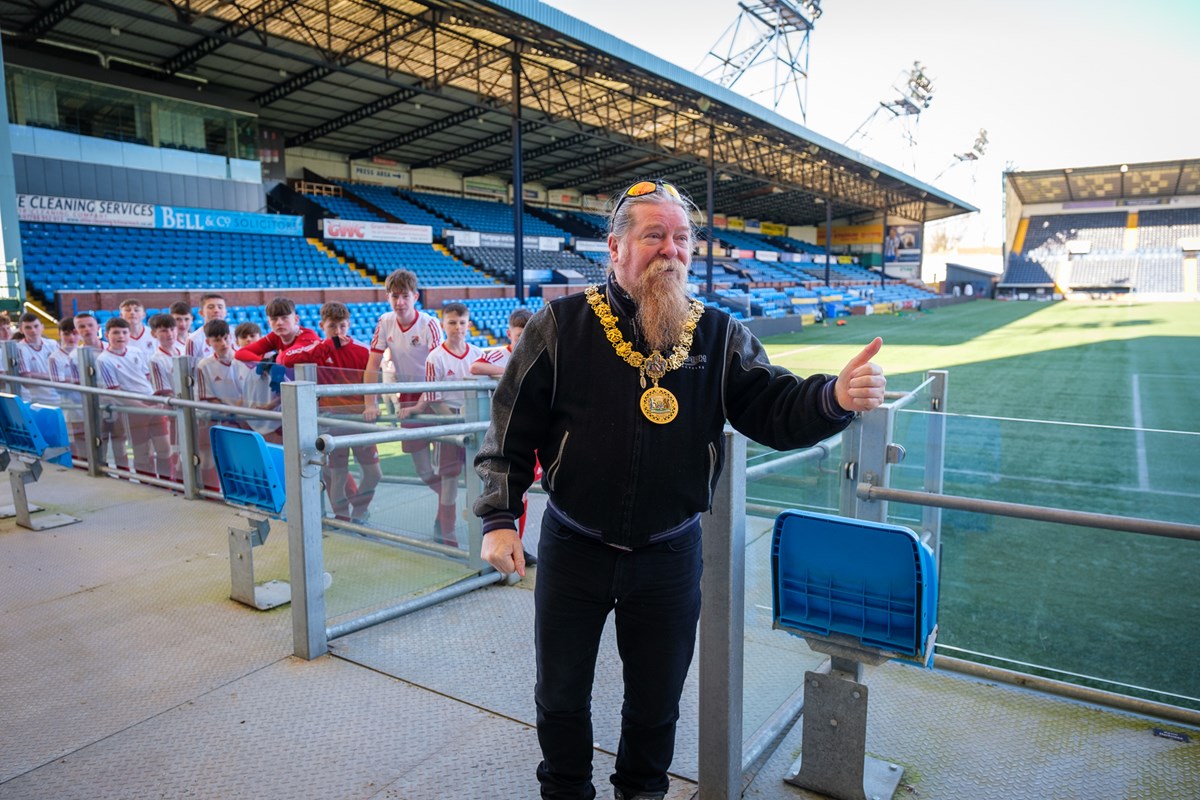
73, 301
432, 297
332, 166
58, 178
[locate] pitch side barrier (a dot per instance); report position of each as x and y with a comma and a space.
86, 406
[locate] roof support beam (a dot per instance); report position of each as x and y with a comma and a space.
505, 164
292, 84
351, 117
518, 184
584, 161
231, 30
51, 17
355, 53
475, 147
417, 134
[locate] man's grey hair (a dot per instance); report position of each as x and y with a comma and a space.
619, 219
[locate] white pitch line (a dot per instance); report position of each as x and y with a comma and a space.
1140, 436
1172, 376
793, 351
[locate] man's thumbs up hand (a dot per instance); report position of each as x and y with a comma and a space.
861, 383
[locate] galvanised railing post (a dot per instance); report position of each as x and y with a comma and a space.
85, 362
935, 459
722, 629
185, 420
306, 559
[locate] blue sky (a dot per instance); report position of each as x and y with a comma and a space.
1057, 83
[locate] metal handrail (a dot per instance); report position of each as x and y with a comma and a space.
1173, 530
345, 389
818, 452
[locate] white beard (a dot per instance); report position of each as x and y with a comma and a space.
662, 302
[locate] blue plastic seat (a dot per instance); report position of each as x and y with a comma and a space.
33, 429
874, 582
251, 471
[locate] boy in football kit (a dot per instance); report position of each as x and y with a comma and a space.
33, 354
125, 368
181, 312
6, 334
161, 373
212, 306
341, 360
450, 362
496, 359
407, 336
246, 333
88, 328
219, 379
286, 334
133, 312
161, 366
63, 369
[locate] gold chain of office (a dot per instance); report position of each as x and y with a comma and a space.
658, 405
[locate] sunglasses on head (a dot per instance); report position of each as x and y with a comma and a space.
643, 188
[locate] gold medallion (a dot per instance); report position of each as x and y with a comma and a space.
659, 405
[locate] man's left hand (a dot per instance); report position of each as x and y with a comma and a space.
861, 383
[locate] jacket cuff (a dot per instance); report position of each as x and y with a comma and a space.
830, 408
497, 521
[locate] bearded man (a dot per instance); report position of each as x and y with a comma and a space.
623, 392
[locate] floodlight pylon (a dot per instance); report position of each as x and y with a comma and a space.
766, 34
976, 151
912, 94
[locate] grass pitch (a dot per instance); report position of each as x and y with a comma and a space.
1092, 407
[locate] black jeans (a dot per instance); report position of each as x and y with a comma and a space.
655, 591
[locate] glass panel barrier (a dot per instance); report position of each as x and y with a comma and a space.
782, 480
911, 431
377, 514
774, 662
397, 497
1106, 609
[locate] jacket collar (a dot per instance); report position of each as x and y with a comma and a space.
619, 299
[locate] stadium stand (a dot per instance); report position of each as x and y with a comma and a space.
583, 224
498, 261
1162, 230
788, 244
433, 265
1151, 260
1103, 271
1159, 273
595, 266
60, 257
344, 208
745, 241
839, 272
1050, 233
396, 205
480, 215
1026, 272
